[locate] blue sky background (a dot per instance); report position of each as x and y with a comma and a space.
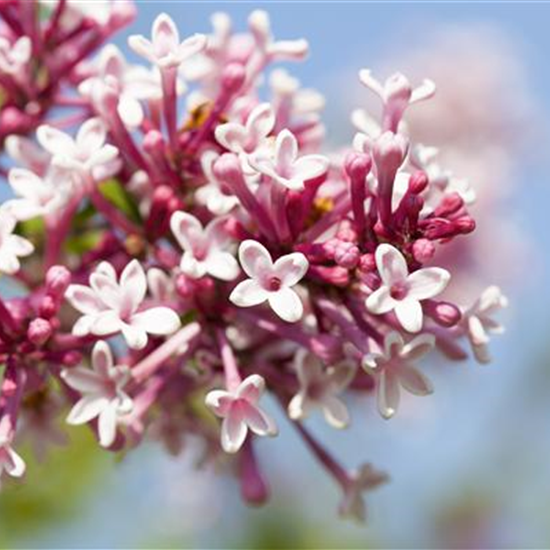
483, 439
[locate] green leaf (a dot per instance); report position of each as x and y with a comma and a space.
117, 195
80, 244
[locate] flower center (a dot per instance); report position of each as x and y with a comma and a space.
399, 290
274, 284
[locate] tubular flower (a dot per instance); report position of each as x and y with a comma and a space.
211, 241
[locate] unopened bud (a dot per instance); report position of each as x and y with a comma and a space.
423, 250
58, 278
39, 331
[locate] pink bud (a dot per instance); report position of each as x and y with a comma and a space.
418, 182
357, 166
185, 286
72, 358
450, 204
423, 250
48, 307
367, 263
443, 313
233, 77
39, 331
58, 279
346, 254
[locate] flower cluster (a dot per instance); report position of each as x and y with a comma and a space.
180, 240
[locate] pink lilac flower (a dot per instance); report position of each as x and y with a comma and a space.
320, 387
112, 305
392, 368
165, 49
12, 247
270, 281
102, 390
285, 167
205, 249
402, 292
240, 412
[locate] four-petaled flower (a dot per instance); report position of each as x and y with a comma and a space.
366, 478
165, 49
240, 412
270, 281
401, 291
102, 393
478, 323
86, 154
250, 137
205, 249
393, 367
284, 165
11, 246
112, 306
320, 387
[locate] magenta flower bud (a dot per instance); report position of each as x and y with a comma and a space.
72, 358
443, 313
465, 225
346, 232
418, 182
389, 152
346, 255
39, 331
254, 488
185, 286
423, 250
153, 143
58, 278
450, 204
233, 77
14, 121
357, 166
227, 168
48, 307
367, 263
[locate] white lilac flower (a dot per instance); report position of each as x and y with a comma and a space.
211, 194
248, 138
240, 412
320, 387
478, 322
205, 248
102, 390
10, 461
270, 281
366, 478
86, 153
37, 196
12, 247
14, 57
26, 152
165, 49
401, 291
284, 165
393, 368
110, 306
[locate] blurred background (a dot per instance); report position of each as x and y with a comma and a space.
470, 465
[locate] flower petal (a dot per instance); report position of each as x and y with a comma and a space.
232, 136
413, 380
388, 394
233, 431
257, 420
102, 359
186, 229
15, 465
251, 388
222, 265
84, 299
286, 151
261, 122
380, 301
427, 283
83, 380
335, 412
248, 293
286, 304
55, 141
291, 268
135, 337
157, 320
391, 264
106, 426
133, 284
310, 167
219, 401
418, 347
87, 408
409, 314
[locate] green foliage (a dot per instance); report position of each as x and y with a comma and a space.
117, 195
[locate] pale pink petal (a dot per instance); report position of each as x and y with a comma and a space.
191, 46
424, 91
233, 431
222, 265
370, 82
476, 330
15, 466
107, 424
335, 412
165, 35
388, 394
87, 408
84, 325
55, 141
409, 314
310, 167
418, 347
255, 259
393, 344
142, 47
299, 407
290, 269
107, 154
380, 301
91, 136
261, 122
20, 246
130, 111
286, 304
135, 337
257, 420
83, 380
391, 264
84, 299
340, 376
286, 151
159, 321
251, 388
427, 283
106, 290
133, 284
248, 293
413, 380
232, 136
25, 183
191, 267
106, 322
102, 359
219, 401
481, 352
186, 229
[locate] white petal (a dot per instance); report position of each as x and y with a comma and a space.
388, 394
107, 322
55, 141
427, 283
261, 121
286, 151
83, 299
25, 183
87, 408
251, 388
291, 268
297, 408
258, 421
192, 267
83, 380
191, 46
232, 136
142, 47
418, 347
233, 432
91, 136
255, 259
135, 337
102, 359
413, 380
222, 265
391, 264
133, 284
16, 466
157, 320
380, 301
248, 293
186, 229
219, 401
409, 314
106, 426
130, 111
310, 167
286, 304
336, 412
165, 34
